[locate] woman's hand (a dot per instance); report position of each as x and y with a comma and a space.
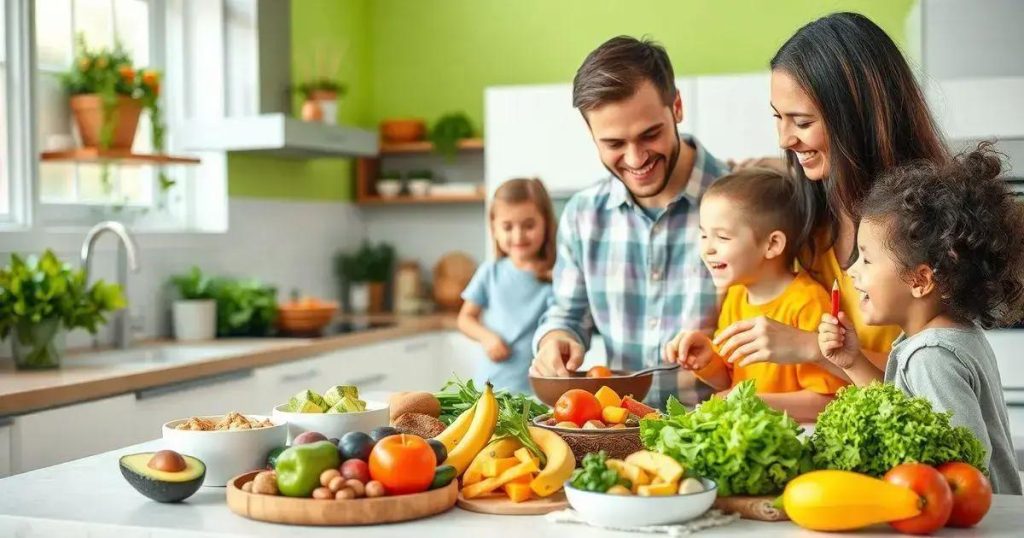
495, 347
761, 339
690, 349
838, 343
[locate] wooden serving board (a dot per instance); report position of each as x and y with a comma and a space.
756, 508
503, 506
366, 511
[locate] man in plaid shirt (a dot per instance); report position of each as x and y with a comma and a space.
629, 261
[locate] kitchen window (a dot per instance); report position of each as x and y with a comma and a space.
40, 41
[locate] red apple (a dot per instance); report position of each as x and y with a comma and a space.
357, 469
935, 494
972, 493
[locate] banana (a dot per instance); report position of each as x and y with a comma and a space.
457, 429
560, 463
479, 433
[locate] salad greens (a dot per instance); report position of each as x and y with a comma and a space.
740, 442
516, 424
595, 475
875, 428
457, 396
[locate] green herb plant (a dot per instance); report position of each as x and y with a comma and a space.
747, 447
594, 475
448, 131
39, 289
370, 263
245, 307
875, 428
194, 285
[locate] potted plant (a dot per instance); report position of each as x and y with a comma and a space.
448, 131
195, 312
245, 307
40, 299
108, 93
419, 182
366, 273
389, 184
322, 94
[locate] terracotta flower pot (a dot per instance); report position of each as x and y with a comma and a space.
377, 291
312, 111
88, 112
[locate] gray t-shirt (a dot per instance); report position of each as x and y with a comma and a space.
956, 370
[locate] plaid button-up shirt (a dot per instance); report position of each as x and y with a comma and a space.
635, 280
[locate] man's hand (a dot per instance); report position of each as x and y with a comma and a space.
558, 355
690, 349
496, 348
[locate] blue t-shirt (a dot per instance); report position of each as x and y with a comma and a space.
512, 301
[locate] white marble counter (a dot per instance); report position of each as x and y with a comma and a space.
89, 498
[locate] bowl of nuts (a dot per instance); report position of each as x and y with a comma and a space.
229, 444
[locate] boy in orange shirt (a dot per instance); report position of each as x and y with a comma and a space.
751, 230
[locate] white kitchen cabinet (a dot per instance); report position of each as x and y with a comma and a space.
213, 395
276, 384
732, 115
66, 433
5, 446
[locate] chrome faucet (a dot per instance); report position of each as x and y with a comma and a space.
127, 259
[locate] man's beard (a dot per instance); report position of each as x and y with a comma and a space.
670, 165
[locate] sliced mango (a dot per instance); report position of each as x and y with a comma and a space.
518, 492
636, 476
660, 465
488, 485
614, 415
608, 397
494, 467
658, 490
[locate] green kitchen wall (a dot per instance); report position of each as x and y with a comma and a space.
423, 58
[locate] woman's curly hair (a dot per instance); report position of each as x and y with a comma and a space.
961, 220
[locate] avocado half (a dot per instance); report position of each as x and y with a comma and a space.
162, 486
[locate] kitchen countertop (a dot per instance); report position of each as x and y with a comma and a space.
22, 392
88, 497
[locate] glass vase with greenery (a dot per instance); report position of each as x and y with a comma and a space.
42, 297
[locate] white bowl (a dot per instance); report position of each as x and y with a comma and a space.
334, 424
634, 511
419, 187
226, 453
389, 188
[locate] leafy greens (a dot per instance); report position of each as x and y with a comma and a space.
747, 447
595, 475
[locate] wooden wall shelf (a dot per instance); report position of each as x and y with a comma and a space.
466, 144
368, 168
123, 156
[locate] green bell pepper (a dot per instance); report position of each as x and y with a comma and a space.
299, 467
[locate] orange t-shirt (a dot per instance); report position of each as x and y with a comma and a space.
800, 305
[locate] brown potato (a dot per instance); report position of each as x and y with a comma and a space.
375, 489
344, 494
247, 487
328, 475
356, 486
322, 494
414, 402
336, 484
265, 483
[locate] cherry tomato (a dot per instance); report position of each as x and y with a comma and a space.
403, 463
972, 493
577, 406
599, 371
934, 491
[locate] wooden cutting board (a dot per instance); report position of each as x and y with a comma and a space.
503, 506
756, 508
366, 511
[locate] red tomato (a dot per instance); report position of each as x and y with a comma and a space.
972, 493
577, 406
599, 371
935, 494
403, 463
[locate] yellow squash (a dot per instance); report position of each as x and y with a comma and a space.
479, 432
842, 500
560, 462
457, 429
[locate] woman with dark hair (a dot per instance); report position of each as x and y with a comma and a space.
847, 108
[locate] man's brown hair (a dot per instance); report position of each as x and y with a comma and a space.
614, 71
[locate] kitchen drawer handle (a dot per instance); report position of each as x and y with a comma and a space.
308, 374
415, 346
368, 380
172, 388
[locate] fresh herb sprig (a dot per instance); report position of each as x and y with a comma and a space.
457, 396
595, 475
516, 424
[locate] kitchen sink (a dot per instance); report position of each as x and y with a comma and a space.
167, 354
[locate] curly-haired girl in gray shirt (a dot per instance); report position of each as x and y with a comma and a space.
940, 256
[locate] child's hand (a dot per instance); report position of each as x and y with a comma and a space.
838, 341
496, 348
690, 349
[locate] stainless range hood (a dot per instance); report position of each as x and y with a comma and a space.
256, 113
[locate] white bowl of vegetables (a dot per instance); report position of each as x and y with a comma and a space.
645, 489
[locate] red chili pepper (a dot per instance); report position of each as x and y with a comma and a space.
835, 298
